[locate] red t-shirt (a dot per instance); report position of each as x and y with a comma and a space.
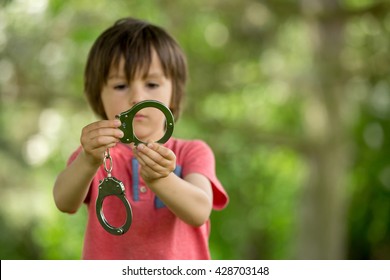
155, 233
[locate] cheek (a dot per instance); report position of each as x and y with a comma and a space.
166, 95
106, 106
109, 108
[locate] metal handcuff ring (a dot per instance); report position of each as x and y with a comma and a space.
112, 186
127, 121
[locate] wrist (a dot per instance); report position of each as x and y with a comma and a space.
90, 161
160, 181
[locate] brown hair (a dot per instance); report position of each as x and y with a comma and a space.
134, 40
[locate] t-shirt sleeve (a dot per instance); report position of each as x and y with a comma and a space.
199, 158
73, 156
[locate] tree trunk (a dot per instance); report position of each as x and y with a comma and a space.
322, 228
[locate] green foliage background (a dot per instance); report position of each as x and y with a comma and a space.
256, 95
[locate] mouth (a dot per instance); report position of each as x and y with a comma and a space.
139, 117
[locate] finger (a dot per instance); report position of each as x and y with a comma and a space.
147, 153
100, 128
103, 141
102, 124
148, 174
154, 160
98, 153
139, 158
161, 150
94, 134
117, 133
146, 161
100, 142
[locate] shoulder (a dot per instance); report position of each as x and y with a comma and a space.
193, 155
182, 147
74, 155
176, 143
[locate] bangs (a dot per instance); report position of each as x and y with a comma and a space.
137, 53
137, 60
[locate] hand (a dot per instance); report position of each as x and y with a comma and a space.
156, 161
97, 137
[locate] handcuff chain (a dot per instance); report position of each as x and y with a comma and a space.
107, 157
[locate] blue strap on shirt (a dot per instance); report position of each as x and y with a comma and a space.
134, 168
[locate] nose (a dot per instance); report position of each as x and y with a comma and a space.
136, 95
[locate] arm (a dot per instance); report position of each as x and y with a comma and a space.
72, 184
190, 198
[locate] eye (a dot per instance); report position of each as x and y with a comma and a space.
152, 85
120, 87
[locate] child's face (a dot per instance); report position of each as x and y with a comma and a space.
118, 95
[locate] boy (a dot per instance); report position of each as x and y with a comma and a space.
172, 188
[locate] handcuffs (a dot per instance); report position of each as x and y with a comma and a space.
111, 185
